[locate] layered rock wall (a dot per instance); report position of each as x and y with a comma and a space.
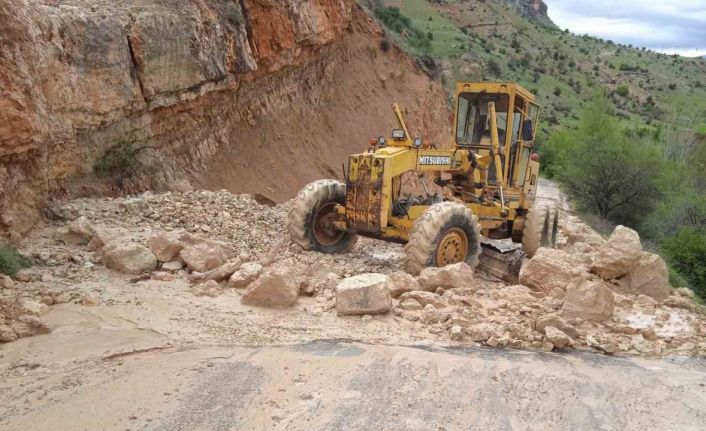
255, 96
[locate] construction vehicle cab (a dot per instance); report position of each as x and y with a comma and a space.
484, 185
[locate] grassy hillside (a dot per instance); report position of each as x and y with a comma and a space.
471, 40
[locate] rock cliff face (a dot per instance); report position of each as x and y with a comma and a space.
255, 96
534, 10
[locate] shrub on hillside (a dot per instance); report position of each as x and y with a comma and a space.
686, 252
11, 261
622, 91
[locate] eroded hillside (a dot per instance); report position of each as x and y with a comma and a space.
252, 96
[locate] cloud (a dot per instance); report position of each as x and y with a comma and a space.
665, 26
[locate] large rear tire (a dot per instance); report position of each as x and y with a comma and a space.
311, 216
446, 233
537, 229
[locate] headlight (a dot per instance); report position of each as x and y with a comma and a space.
417, 142
381, 141
397, 134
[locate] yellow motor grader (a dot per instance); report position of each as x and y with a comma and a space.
485, 186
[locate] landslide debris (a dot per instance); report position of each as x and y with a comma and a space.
575, 297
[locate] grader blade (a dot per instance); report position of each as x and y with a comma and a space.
501, 259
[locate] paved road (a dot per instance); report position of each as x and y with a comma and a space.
348, 386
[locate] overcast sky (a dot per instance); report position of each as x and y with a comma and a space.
669, 26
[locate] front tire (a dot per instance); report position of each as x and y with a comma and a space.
446, 233
311, 216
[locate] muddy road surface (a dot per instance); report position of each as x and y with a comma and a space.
330, 385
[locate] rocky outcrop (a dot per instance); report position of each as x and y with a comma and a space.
533, 10
200, 93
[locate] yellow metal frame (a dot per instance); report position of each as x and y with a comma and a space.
374, 177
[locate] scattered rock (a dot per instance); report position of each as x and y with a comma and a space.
7, 334
247, 273
172, 266
202, 256
102, 235
577, 231
483, 331
400, 282
209, 288
410, 305
588, 300
166, 247
556, 321
35, 307
549, 271
685, 292
680, 302
28, 325
276, 287
363, 294
424, 298
456, 276
430, 314
556, 337
517, 294
128, 257
619, 256
456, 333
77, 232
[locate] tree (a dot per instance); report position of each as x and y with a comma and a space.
557, 91
607, 172
494, 68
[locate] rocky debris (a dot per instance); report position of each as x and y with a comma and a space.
588, 300
557, 322
165, 246
275, 287
102, 235
208, 288
549, 271
424, 298
456, 333
579, 232
459, 275
410, 305
619, 256
400, 282
77, 232
128, 257
172, 266
650, 277
483, 332
247, 273
517, 294
556, 337
363, 294
202, 256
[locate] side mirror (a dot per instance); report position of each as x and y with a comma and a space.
527, 130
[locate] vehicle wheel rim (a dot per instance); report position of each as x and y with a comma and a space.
324, 231
453, 247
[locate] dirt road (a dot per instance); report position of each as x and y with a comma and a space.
337, 385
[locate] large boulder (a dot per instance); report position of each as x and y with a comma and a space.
650, 277
400, 282
202, 256
165, 246
276, 287
619, 255
363, 294
549, 271
588, 300
457, 275
7, 334
128, 257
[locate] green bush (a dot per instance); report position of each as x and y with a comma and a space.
686, 252
11, 261
622, 91
120, 160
